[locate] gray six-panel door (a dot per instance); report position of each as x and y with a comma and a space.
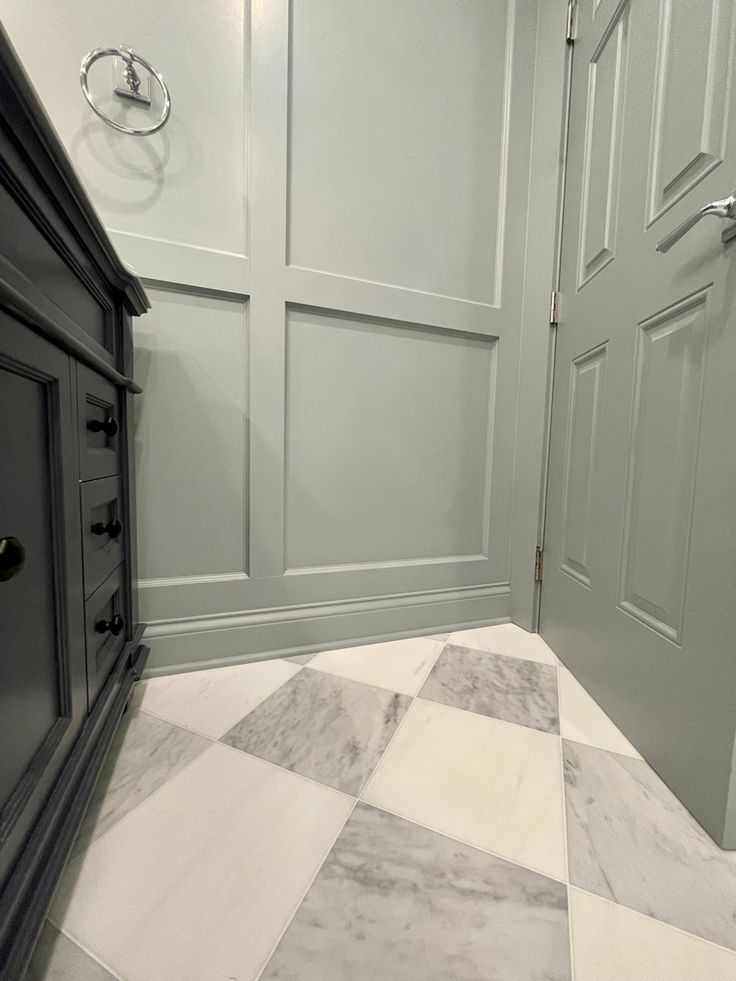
638, 598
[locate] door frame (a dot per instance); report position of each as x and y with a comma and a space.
552, 80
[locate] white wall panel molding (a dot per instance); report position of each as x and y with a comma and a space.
310, 287
184, 265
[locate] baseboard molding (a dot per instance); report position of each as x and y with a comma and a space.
205, 642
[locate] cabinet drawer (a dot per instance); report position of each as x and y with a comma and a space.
100, 425
103, 530
106, 628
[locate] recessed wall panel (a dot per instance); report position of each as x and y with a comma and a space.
191, 436
397, 141
661, 479
602, 159
587, 384
388, 435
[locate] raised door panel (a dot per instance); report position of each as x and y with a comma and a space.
602, 148
42, 669
663, 444
587, 382
693, 79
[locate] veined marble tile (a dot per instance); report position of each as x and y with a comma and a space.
212, 701
501, 687
399, 665
145, 753
301, 658
57, 958
612, 943
199, 881
486, 782
330, 729
394, 900
583, 720
505, 638
632, 841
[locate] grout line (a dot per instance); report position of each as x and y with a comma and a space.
284, 769
492, 718
463, 841
613, 752
303, 896
98, 960
356, 801
402, 721
653, 919
564, 830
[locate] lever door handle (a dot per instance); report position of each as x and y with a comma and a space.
724, 208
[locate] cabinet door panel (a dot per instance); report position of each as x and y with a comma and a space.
42, 669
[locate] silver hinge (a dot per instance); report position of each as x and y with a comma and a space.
538, 563
572, 20
554, 308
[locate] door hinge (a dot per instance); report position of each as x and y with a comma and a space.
554, 308
571, 21
538, 564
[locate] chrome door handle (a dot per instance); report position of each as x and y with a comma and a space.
725, 208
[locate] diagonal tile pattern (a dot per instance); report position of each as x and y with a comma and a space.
203, 860
630, 840
330, 729
494, 785
458, 912
501, 687
145, 754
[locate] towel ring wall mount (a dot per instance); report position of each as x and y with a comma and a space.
130, 90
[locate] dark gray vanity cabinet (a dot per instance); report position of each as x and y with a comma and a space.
70, 643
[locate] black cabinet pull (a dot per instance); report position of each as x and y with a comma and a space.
12, 557
113, 528
108, 426
114, 626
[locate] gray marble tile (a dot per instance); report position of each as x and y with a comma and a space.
630, 840
146, 752
324, 727
496, 685
57, 958
394, 900
301, 658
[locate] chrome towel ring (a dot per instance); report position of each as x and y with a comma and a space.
133, 83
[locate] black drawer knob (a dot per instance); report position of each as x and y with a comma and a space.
108, 426
12, 557
114, 626
113, 528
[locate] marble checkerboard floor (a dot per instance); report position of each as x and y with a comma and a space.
441, 808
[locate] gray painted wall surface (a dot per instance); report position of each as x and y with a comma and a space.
334, 232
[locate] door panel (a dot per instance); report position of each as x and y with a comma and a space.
641, 535
42, 668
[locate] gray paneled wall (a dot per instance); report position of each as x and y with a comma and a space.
333, 228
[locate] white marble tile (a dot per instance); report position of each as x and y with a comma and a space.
399, 665
199, 881
505, 638
396, 901
146, 752
583, 720
486, 782
212, 701
330, 729
502, 687
613, 943
632, 841
57, 958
